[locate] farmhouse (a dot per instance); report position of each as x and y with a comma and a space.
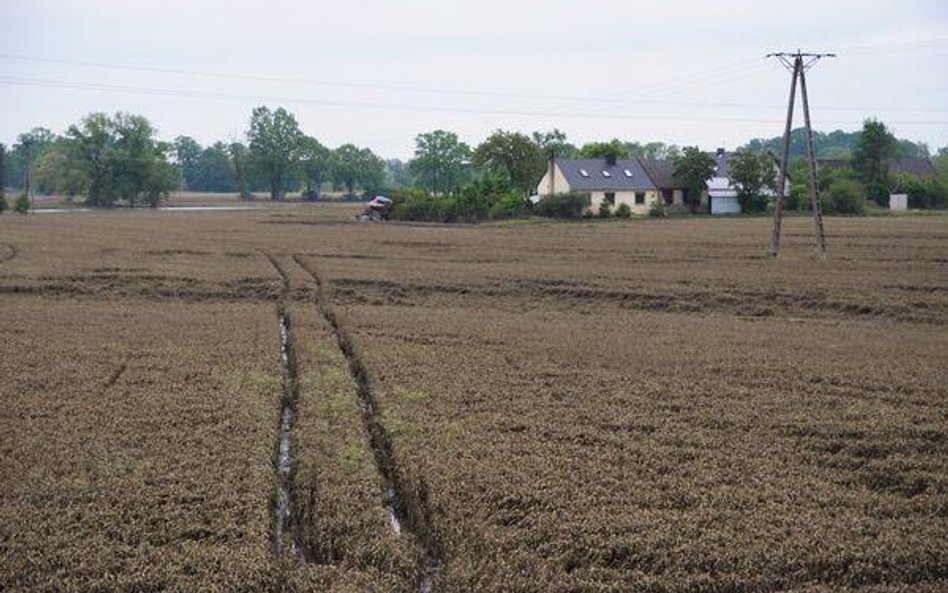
637, 182
898, 168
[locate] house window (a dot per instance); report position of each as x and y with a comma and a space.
584, 172
606, 174
640, 197
611, 198
627, 173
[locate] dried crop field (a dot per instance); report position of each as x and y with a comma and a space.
287, 400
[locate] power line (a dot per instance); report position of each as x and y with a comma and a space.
216, 95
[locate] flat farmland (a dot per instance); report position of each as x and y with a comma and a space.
288, 400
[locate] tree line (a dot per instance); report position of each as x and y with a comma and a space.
118, 159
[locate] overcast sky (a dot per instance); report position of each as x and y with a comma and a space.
376, 73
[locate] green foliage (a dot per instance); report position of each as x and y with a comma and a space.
397, 174
567, 205
187, 151
22, 204
624, 211
657, 209
926, 193
275, 141
605, 209
315, 166
751, 173
554, 142
117, 158
441, 161
353, 166
874, 146
652, 150
510, 205
695, 168
513, 156
240, 160
49, 172
845, 196
836, 144
597, 150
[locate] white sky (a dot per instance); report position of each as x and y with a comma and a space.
376, 73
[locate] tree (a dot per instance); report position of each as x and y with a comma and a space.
512, 155
275, 140
315, 166
441, 161
353, 166
874, 146
651, 150
213, 170
555, 143
695, 168
397, 174
117, 158
187, 153
49, 171
596, 150
240, 157
751, 173
845, 196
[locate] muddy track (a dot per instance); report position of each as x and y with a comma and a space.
285, 530
408, 503
740, 303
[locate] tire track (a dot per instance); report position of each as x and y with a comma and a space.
407, 506
285, 535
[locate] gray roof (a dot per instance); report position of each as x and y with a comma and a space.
662, 172
916, 167
614, 179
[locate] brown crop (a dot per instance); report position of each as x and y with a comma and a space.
650, 405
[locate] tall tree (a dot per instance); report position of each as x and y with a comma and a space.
239, 156
441, 161
213, 170
315, 166
751, 173
353, 166
695, 168
275, 140
514, 156
397, 173
615, 148
187, 153
874, 146
117, 158
554, 142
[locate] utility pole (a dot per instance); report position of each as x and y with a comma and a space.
28, 175
798, 63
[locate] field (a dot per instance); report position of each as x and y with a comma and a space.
288, 400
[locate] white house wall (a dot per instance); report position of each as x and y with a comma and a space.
560, 185
624, 197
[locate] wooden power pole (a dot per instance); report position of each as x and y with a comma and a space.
798, 63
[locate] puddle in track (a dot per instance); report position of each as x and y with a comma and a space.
282, 504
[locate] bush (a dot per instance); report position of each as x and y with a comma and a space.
657, 209
569, 205
3, 202
22, 204
925, 193
509, 205
623, 211
605, 210
845, 196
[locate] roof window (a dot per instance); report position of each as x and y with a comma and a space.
606, 173
584, 172
627, 173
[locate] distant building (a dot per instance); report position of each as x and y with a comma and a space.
897, 167
722, 195
637, 182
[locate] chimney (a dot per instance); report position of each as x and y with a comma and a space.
721, 151
611, 160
